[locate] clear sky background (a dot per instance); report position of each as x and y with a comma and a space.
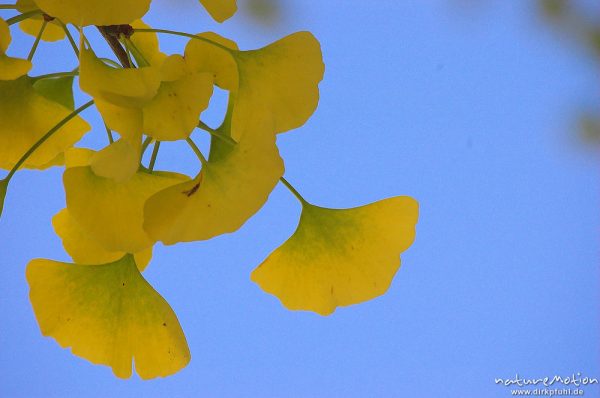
467, 107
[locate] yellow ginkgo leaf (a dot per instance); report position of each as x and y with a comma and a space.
126, 87
339, 257
147, 43
112, 212
126, 121
173, 114
282, 78
220, 10
109, 315
10, 68
52, 31
32, 25
13, 68
203, 56
95, 12
119, 160
25, 116
83, 249
75, 157
229, 190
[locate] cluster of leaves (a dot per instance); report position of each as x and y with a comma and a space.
117, 208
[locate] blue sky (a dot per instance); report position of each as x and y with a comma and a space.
468, 109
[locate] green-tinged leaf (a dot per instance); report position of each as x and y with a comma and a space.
58, 89
26, 116
339, 257
228, 191
109, 315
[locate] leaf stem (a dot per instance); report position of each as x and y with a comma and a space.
145, 144
294, 191
22, 17
137, 54
8, 6
110, 62
231, 141
53, 75
115, 46
183, 34
215, 133
111, 139
154, 156
70, 37
197, 152
37, 41
46, 136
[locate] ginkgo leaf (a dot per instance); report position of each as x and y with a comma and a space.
226, 193
220, 10
95, 12
125, 120
58, 89
32, 25
127, 87
52, 32
25, 116
203, 56
173, 114
147, 43
112, 212
119, 160
112, 161
13, 68
339, 257
109, 315
83, 249
10, 68
75, 157
282, 78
